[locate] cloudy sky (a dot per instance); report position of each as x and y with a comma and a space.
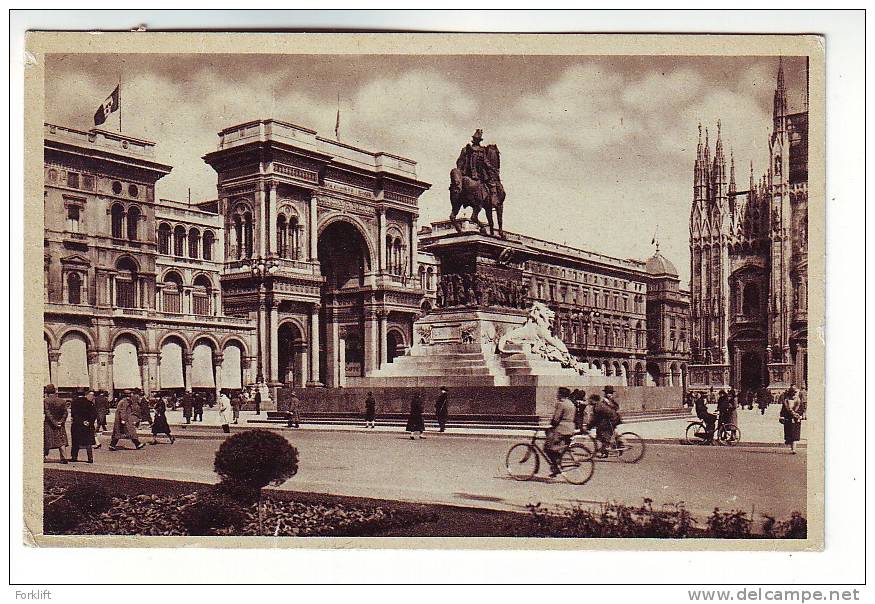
596, 151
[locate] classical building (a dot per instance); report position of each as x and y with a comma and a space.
623, 317
304, 271
124, 307
749, 261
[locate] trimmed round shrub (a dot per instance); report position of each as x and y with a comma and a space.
90, 499
60, 516
256, 458
243, 494
209, 513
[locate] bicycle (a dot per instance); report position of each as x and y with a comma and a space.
523, 461
628, 446
727, 434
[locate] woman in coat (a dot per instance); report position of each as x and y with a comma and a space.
54, 418
792, 414
83, 414
127, 416
159, 424
415, 421
370, 410
226, 413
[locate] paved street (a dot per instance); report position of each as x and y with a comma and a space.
470, 471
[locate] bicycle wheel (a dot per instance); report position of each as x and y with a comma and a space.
729, 435
576, 464
632, 449
522, 461
588, 442
690, 437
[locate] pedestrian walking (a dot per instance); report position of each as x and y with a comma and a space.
198, 407
54, 423
763, 400
101, 405
83, 418
442, 409
125, 424
370, 410
792, 414
257, 401
160, 424
225, 412
578, 397
293, 413
415, 421
236, 404
142, 403
187, 406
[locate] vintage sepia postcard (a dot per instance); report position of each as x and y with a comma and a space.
420, 290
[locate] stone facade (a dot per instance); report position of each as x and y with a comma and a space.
749, 254
122, 310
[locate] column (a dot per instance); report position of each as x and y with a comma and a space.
152, 360
54, 357
218, 357
381, 241
144, 374
246, 366
372, 342
261, 202
314, 346
332, 350
263, 350
313, 216
274, 342
187, 361
93, 366
414, 246
383, 317
271, 226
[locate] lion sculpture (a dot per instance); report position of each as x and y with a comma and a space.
536, 332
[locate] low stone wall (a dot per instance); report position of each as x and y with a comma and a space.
495, 401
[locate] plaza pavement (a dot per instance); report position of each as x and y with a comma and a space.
756, 430
469, 471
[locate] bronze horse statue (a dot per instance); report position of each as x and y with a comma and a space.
476, 194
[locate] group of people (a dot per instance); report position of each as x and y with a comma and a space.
416, 416
87, 413
728, 402
575, 413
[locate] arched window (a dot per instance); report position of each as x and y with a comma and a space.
209, 239
751, 301
397, 253
126, 284
236, 250
194, 243
422, 276
247, 219
294, 238
171, 294
133, 223
429, 278
164, 238
118, 221
282, 242
202, 296
179, 241
389, 254
74, 288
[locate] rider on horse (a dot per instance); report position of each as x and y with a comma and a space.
475, 183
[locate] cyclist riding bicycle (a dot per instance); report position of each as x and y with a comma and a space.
726, 410
561, 429
708, 418
604, 417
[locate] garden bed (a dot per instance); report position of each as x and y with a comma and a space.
141, 506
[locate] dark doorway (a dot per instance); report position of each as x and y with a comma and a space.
751, 377
393, 344
343, 256
291, 344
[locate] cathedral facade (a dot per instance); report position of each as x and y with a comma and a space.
749, 261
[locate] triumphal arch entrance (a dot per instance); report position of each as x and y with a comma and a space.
320, 250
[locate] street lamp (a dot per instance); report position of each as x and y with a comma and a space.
262, 269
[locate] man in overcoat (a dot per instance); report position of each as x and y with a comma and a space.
54, 420
83, 416
442, 409
125, 424
187, 406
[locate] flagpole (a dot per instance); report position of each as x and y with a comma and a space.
119, 102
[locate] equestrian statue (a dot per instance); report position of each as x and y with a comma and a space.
475, 183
